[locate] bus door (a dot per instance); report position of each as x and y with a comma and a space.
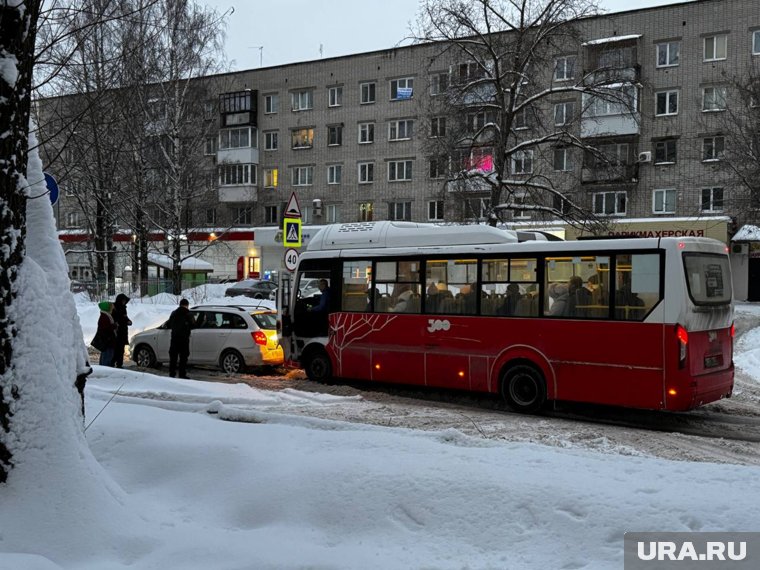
284, 322
456, 355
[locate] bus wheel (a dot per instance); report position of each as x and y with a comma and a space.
524, 388
317, 366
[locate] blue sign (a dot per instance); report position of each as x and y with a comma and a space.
404, 93
52, 187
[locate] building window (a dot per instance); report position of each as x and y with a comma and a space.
366, 172
470, 71
620, 101
235, 138
398, 211
302, 138
271, 140
334, 173
609, 203
714, 99
236, 174
73, 220
756, 42
520, 119
270, 177
402, 88
562, 160
563, 113
438, 127
522, 211
210, 147
668, 54
712, 148
522, 162
476, 208
271, 104
400, 130
303, 175
435, 210
210, 216
715, 47
367, 93
399, 170
334, 135
665, 151
712, 199
270, 215
244, 215
664, 201
335, 96
477, 121
564, 68
439, 83
332, 213
366, 133
666, 103
365, 212
302, 100
438, 167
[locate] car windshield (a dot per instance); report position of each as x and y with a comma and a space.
267, 321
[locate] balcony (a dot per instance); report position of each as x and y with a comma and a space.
248, 155
616, 173
238, 193
610, 125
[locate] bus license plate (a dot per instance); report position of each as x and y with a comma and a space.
713, 361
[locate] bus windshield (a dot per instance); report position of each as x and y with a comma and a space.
708, 278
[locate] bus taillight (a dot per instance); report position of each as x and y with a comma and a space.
683, 341
732, 330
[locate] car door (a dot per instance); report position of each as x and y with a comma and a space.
207, 338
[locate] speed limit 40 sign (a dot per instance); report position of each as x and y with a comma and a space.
291, 259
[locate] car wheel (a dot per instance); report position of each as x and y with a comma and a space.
317, 366
231, 362
524, 388
258, 296
144, 357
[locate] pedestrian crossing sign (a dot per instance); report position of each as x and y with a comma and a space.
291, 232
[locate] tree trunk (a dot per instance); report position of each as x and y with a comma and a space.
18, 30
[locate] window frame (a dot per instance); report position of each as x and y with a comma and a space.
369, 172
564, 105
717, 89
525, 157
367, 127
294, 136
271, 177
668, 53
438, 210
669, 93
394, 126
247, 174
305, 172
712, 200
403, 174
297, 95
715, 155
366, 211
335, 96
438, 87
335, 132
615, 195
371, 87
406, 211
567, 162
334, 174
248, 215
271, 103
268, 218
755, 42
408, 83
664, 192
437, 127
715, 56
565, 68
271, 137
665, 149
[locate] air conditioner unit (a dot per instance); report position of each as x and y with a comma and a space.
645, 157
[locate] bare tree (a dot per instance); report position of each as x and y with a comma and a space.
501, 133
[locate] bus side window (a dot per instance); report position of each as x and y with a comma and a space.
637, 285
357, 280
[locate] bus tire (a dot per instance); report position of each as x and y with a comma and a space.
317, 366
524, 388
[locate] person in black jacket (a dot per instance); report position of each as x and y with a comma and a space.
122, 333
181, 322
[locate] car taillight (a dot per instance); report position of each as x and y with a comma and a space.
259, 338
683, 341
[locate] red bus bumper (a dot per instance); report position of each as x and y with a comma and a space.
703, 389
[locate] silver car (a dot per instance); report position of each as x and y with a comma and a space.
230, 337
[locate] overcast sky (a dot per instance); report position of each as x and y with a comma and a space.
296, 30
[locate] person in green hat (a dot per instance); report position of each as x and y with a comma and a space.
106, 335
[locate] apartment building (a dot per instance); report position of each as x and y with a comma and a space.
351, 136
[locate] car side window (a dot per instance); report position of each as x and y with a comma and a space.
232, 321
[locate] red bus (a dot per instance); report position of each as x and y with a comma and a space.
643, 323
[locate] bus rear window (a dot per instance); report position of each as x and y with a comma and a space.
708, 278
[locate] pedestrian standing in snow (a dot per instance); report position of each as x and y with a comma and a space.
181, 323
106, 335
122, 333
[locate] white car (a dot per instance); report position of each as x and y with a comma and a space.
230, 337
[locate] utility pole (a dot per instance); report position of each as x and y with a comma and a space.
261, 54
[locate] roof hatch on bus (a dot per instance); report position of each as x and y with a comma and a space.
400, 234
